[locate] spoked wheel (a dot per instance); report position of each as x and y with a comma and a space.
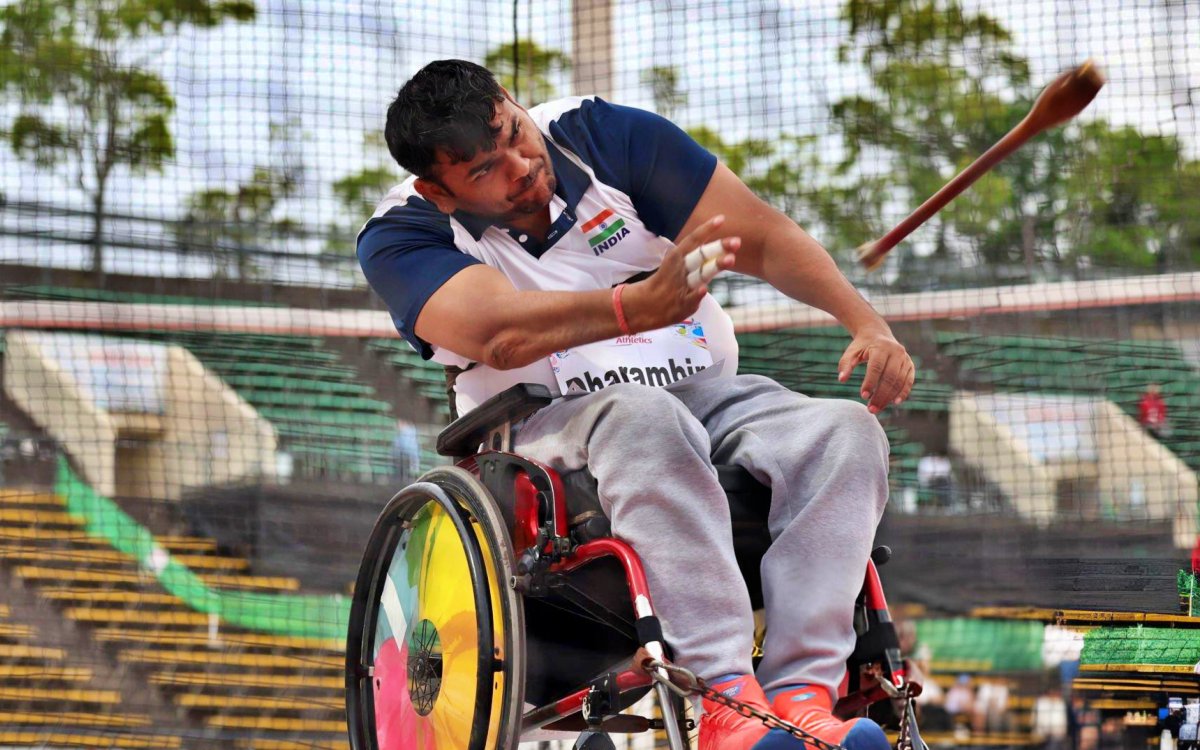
435, 651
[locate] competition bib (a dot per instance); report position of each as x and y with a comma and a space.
656, 358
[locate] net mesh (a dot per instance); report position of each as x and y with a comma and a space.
204, 407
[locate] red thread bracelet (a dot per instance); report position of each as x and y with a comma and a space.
622, 323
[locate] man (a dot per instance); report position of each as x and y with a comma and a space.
406, 451
549, 246
1152, 411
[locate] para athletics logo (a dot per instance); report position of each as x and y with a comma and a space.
608, 229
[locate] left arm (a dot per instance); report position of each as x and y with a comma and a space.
775, 249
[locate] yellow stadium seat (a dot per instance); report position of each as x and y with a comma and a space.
268, 661
76, 718
276, 723
265, 703
108, 740
241, 681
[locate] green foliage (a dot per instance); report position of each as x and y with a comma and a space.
790, 174
231, 223
946, 85
942, 80
663, 81
88, 100
528, 80
1139, 198
360, 192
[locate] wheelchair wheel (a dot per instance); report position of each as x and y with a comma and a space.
435, 649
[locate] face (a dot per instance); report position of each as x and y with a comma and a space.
513, 180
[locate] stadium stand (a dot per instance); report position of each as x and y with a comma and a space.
228, 686
1114, 369
326, 418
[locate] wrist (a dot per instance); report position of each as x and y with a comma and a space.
878, 326
618, 305
635, 308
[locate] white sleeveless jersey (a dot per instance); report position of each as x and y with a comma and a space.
610, 162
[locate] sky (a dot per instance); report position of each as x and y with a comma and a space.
326, 70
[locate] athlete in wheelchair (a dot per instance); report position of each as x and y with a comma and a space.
623, 500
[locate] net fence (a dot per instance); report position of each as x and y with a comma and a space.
205, 407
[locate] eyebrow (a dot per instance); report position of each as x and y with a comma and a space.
512, 138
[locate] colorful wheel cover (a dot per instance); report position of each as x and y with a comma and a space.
426, 645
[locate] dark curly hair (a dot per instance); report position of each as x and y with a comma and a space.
449, 106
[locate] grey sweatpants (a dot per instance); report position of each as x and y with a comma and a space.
652, 452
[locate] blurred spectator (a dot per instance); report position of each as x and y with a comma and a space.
1172, 723
406, 451
933, 475
991, 707
960, 700
1050, 719
285, 466
1086, 728
1189, 730
931, 713
1152, 411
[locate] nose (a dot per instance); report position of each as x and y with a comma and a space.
519, 166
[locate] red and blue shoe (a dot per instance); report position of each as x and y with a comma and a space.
722, 728
811, 708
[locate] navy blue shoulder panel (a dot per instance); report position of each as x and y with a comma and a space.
406, 255
643, 155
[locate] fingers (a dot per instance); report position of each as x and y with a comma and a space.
850, 359
892, 384
701, 234
910, 379
876, 366
706, 261
706, 252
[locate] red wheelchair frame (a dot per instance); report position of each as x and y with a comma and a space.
548, 546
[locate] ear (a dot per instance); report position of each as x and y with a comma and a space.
435, 194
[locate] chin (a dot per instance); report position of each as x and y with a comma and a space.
537, 200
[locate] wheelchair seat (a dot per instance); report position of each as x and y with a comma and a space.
584, 631
489, 426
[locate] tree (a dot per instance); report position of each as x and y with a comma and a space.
946, 85
791, 174
663, 81
358, 193
524, 68
943, 80
87, 99
1136, 194
236, 222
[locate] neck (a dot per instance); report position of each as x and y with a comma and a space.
537, 224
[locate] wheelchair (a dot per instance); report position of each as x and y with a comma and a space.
492, 601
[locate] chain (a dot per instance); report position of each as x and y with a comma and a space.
904, 741
696, 686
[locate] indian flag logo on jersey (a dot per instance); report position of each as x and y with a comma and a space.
604, 230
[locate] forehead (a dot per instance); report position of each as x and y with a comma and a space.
447, 160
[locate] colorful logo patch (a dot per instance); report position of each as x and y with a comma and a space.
691, 330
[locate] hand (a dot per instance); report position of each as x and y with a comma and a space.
665, 297
890, 371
